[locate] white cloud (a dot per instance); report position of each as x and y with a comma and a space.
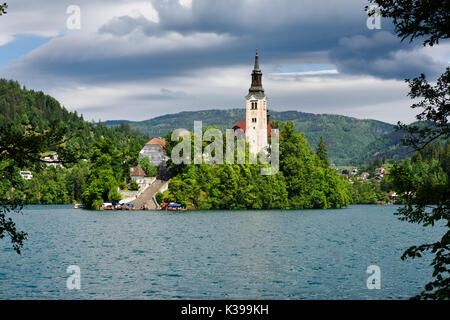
223, 88
186, 3
48, 18
4, 39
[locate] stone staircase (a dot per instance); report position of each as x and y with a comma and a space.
146, 198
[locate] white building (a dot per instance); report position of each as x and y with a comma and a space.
26, 175
155, 151
256, 125
138, 175
52, 160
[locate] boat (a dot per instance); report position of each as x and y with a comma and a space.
107, 206
172, 206
78, 206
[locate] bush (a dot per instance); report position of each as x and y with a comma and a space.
150, 170
159, 197
133, 186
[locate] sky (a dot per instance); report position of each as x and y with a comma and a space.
137, 60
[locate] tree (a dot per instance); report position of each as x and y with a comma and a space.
150, 171
32, 123
104, 177
275, 124
22, 147
433, 120
322, 151
3, 8
427, 19
133, 186
427, 197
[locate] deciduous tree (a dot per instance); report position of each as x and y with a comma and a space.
427, 197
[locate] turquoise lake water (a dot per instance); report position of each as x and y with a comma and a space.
311, 254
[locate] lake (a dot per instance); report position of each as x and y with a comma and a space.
309, 254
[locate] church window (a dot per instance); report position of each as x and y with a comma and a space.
254, 105
254, 120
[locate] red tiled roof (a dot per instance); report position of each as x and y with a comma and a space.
242, 125
159, 142
138, 172
269, 131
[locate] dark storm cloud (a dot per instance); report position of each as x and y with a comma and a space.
381, 55
225, 33
284, 30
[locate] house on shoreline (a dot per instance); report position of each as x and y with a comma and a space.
138, 175
155, 151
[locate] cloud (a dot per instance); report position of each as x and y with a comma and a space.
119, 42
224, 88
165, 56
304, 73
163, 94
103, 58
186, 3
122, 41
382, 56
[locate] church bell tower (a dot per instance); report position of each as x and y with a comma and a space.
256, 112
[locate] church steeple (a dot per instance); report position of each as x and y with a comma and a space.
256, 112
256, 87
256, 61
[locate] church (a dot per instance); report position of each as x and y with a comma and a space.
256, 125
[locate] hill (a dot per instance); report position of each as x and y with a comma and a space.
36, 109
349, 140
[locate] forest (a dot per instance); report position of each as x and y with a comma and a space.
101, 156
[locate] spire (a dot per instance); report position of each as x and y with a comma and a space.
256, 60
256, 87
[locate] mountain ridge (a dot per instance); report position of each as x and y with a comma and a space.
350, 140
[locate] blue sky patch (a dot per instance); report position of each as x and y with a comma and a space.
22, 44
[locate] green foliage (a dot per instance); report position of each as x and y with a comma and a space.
422, 19
3, 8
19, 106
308, 179
159, 197
32, 123
22, 147
322, 151
150, 170
227, 187
105, 175
436, 110
133, 186
304, 181
369, 192
424, 183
